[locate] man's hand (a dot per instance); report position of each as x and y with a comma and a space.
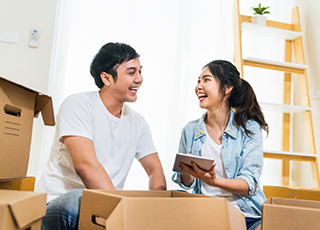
152, 165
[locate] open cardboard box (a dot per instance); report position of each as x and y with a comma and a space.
18, 106
290, 214
292, 192
157, 210
20, 210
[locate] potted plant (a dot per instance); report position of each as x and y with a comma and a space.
259, 17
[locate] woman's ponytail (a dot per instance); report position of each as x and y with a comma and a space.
249, 109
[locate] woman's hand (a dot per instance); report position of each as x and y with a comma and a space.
209, 177
237, 186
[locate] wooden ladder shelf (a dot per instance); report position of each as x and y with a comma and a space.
292, 36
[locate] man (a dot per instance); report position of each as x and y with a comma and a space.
97, 137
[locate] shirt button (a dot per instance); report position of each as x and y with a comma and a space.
229, 129
201, 132
235, 126
242, 206
227, 168
197, 134
197, 128
224, 134
234, 132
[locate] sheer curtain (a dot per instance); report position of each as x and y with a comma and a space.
175, 39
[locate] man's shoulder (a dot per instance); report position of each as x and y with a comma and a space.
132, 114
81, 98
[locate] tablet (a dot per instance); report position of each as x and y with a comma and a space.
204, 163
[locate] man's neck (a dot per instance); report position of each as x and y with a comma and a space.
110, 103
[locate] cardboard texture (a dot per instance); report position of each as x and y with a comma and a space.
292, 192
20, 210
23, 184
157, 210
18, 106
293, 214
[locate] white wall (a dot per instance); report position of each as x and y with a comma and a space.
23, 64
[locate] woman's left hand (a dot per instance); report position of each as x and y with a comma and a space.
208, 177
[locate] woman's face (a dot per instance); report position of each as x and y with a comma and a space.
208, 90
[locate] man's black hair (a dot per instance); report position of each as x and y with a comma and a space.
108, 59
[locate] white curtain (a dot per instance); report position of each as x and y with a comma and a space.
175, 39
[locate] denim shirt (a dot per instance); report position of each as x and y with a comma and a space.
242, 158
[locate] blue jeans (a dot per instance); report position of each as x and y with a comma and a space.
63, 212
252, 223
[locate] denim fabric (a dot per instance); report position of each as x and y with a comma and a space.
242, 158
253, 223
63, 212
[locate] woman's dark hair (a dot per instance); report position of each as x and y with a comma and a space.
108, 59
242, 98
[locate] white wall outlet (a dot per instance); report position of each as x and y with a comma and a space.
9, 37
314, 94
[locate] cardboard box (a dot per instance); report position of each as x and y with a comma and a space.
23, 184
290, 214
292, 192
157, 210
19, 105
21, 210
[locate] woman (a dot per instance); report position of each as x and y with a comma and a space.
232, 139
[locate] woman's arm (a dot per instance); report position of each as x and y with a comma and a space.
237, 186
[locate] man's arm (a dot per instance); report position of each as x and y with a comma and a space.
152, 165
86, 164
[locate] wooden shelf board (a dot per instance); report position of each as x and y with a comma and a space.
274, 65
290, 155
268, 31
282, 108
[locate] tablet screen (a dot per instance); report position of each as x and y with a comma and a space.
204, 163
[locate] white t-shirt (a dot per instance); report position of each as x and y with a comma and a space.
117, 141
212, 150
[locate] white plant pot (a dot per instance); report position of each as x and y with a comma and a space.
259, 19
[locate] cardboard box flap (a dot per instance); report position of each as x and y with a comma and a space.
44, 104
115, 220
27, 209
294, 203
102, 211
137, 193
293, 192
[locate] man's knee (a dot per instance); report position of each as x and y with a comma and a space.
63, 212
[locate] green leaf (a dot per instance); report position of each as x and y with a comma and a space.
260, 10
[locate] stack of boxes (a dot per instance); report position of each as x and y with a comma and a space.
18, 106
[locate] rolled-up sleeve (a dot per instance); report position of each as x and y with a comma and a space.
252, 161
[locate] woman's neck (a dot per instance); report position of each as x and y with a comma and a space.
218, 119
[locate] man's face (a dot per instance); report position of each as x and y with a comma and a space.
128, 82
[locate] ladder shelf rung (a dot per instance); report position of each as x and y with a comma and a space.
290, 155
282, 108
275, 65
268, 31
